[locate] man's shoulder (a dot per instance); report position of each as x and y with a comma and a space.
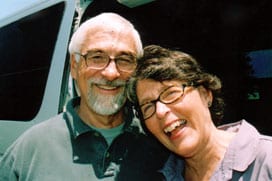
150, 151
50, 125
47, 130
39, 139
144, 157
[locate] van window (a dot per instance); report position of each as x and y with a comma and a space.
26, 49
258, 106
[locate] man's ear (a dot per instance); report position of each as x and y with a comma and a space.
74, 65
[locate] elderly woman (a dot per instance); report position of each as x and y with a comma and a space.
180, 105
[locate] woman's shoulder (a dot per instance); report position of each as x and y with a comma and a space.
265, 147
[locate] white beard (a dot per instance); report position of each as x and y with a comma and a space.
106, 104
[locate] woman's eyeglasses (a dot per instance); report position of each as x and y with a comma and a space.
168, 96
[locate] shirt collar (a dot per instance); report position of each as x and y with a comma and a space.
173, 168
242, 149
78, 127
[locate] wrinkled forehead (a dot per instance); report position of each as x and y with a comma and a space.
112, 38
110, 30
110, 24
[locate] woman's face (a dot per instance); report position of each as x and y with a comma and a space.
184, 126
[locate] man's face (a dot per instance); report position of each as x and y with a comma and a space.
103, 90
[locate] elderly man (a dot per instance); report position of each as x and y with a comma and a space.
98, 137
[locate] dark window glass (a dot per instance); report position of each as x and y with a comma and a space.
26, 49
261, 62
257, 108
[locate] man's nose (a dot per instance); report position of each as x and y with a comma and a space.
110, 72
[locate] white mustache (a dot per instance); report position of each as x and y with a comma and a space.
115, 83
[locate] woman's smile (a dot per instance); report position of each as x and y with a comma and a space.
173, 130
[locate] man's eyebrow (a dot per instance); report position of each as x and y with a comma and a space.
95, 51
126, 53
118, 53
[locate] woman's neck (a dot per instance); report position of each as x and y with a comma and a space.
202, 165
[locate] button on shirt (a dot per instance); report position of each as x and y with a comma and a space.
248, 157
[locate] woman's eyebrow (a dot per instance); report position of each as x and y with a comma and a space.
150, 99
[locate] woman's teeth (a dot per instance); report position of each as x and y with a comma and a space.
174, 125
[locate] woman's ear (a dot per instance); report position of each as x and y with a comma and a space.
206, 96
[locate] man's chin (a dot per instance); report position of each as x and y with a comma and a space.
107, 110
107, 106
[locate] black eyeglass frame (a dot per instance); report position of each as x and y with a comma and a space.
153, 102
131, 69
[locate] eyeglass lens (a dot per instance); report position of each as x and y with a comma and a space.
99, 60
168, 96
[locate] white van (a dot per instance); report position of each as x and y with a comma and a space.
34, 70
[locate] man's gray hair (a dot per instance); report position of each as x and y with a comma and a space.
108, 20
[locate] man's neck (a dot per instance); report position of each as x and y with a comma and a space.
99, 121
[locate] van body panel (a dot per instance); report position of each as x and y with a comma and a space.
14, 10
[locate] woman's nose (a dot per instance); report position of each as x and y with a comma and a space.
161, 109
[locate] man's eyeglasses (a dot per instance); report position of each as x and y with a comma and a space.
168, 96
100, 60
